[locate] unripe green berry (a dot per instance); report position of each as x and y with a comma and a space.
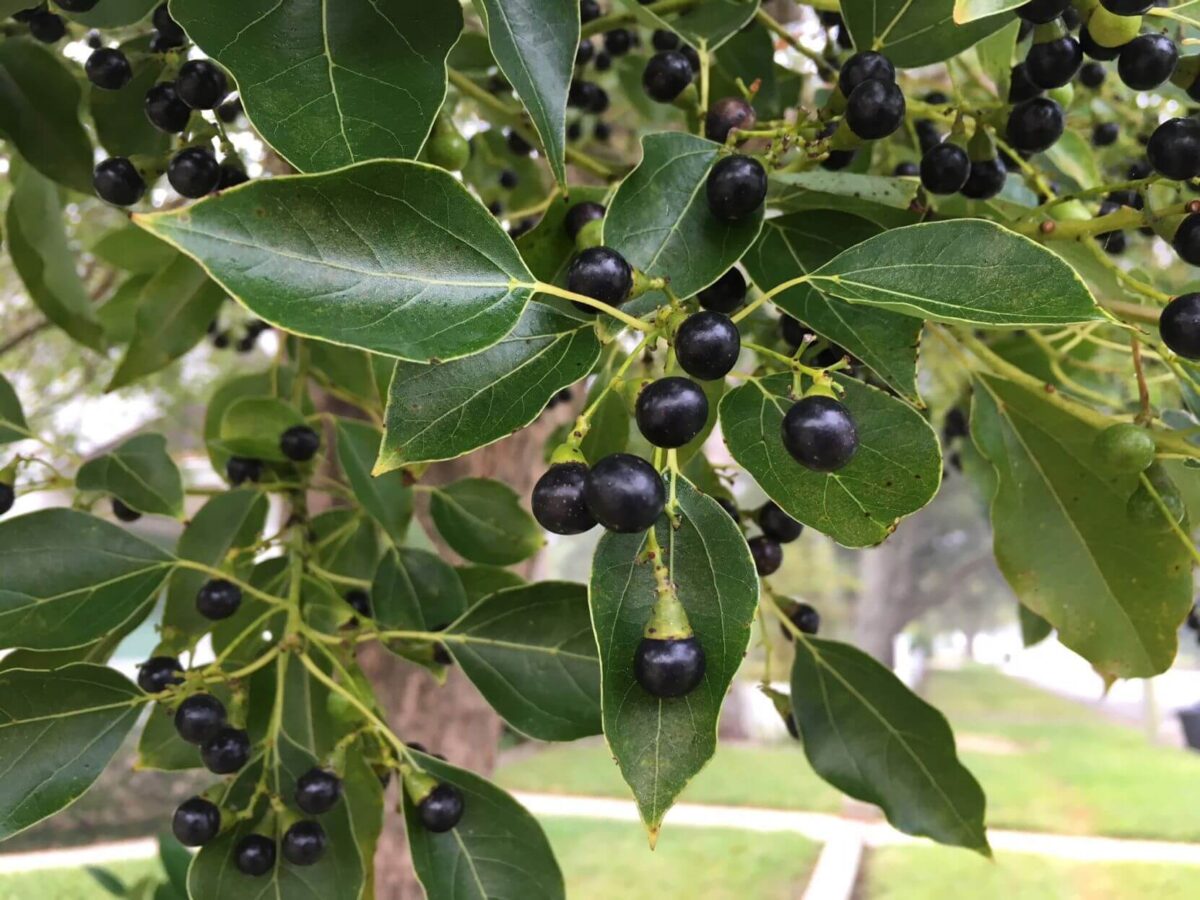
1125, 449
590, 235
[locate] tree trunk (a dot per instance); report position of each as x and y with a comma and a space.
452, 719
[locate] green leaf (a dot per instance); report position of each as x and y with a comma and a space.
610, 428
482, 521
661, 744
252, 426
964, 271
113, 13
392, 257
175, 860
173, 314
895, 472
802, 242
750, 56
386, 498
789, 190
348, 373
913, 34
272, 383
330, 84
534, 43
531, 652
1072, 155
547, 248
140, 473
497, 849
108, 881
711, 23
42, 254
13, 426
870, 736
134, 250
118, 315
969, 10
69, 578
232, 520
1034, 629
480, 581
39, 112
58, 730
160, 748
120, 116
1114, 589
659, 218
444, 410
414, 590
348, 543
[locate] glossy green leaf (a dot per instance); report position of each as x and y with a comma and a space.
479, 581
1114, 589
330, 84
750, 56
58, 730
414, 590
69, 578
964, 271
497, 850
799, 243
386, 497
611, 425
1034, 629
252, 426
868, 735
534, 43
118, 314
39, 112
547, 248
711, 23
120, 116
134, 250
659, 218
42, 255
444, 410
531, 652
895, 472
232, 520
1072, 155
392, 257
347, 543
482, 521
13, 426
348, 373
661, 744
113, 13
969, 10
276, 382
912, 33
789, 189
174, 311
140, 473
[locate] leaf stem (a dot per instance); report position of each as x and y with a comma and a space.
764, 297
542, 288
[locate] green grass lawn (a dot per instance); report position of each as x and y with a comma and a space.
921, 873
600, 860
1046, 764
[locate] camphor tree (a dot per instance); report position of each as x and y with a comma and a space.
683, 214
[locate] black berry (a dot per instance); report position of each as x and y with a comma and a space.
360, 601
767, 554
666, 75
231, 175
727, 114
517, 144
317, 791
820, 433
509, 179
1127, 7
584, 52
8, 497
986, 179
906, 169
865, 66
226, 751
618, 41
579, 215
199, 718
588, 10
558, 499
1092, 75
944, 169
730, 508
304, 843
166, 26
194, 172
806, 619
158, 673
662, 39
838, 160
1035, 125
123, 512
196, 821
76, 5
736, 188
671, 411
165, 110
1179, 325
239, 470
602, 274
1105, 134
669, 668
1020, 85
1039, 12
625, 493
1052, 64
875, 109
254, 855
1147, 61
47, 27
778, 525
1174, 149
1096, 50
1187, 239
118, 181
299, 443
442, 808
725, 294
108, 68
201, 84
707, 345
218, 599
